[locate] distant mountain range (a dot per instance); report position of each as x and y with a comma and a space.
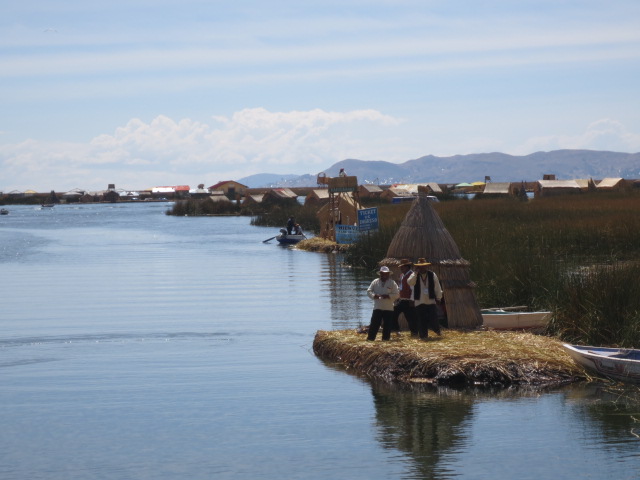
564, 164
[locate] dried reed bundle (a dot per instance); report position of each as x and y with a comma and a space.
473, 357
422, 234
319, 244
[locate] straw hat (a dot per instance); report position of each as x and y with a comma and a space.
384, 270
405, 261
422, 262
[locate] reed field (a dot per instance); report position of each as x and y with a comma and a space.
577, 255
201, 207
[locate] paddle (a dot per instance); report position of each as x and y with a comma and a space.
265, 241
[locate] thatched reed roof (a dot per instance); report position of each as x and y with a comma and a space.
422, 234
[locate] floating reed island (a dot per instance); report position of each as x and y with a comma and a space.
456, 358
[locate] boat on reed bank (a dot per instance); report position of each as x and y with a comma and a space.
622, 364
285, 238
465, 358
509, 318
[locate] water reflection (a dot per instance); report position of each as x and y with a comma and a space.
423, 424
609, 412
443, 432
350, 306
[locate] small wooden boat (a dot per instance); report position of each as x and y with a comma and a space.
289, 238
508, 319
616, 363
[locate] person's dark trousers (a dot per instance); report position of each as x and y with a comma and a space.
406, 307
427, 316
377, 317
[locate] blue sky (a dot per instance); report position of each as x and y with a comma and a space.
154, 92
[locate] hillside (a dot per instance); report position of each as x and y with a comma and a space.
565, 164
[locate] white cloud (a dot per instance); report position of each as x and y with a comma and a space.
604, 134
168, 151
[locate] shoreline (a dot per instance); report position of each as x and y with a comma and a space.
457, 358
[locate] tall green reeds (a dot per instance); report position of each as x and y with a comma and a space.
277, 214
599, 305
196, 207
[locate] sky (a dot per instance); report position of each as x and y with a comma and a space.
145, 93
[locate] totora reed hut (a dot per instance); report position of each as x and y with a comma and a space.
423, 234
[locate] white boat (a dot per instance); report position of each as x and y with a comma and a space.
4, 211
621, 364
506, 319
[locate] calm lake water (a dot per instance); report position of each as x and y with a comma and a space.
136, 345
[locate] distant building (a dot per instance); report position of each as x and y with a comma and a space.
545, 188
431, 187
218, 196
73, 195
369, 191
396, 192
279, 195
159, 192
253, 199
111, 196
498, 188
584, 183
199, 192
611, 184
231, 188
317, 197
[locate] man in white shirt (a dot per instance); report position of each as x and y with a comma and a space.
383, 291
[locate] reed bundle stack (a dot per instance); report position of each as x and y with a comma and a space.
423, 235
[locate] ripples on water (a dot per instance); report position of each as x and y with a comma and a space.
138, 345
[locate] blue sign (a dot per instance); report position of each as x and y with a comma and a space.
347, 234
368, 219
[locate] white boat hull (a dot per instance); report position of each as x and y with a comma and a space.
505, 320
615, 363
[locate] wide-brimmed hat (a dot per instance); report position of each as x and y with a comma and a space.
405, 261
384, 270
422, 262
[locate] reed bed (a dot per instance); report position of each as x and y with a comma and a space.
276, 214
202, 207
456, 358
599, 305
